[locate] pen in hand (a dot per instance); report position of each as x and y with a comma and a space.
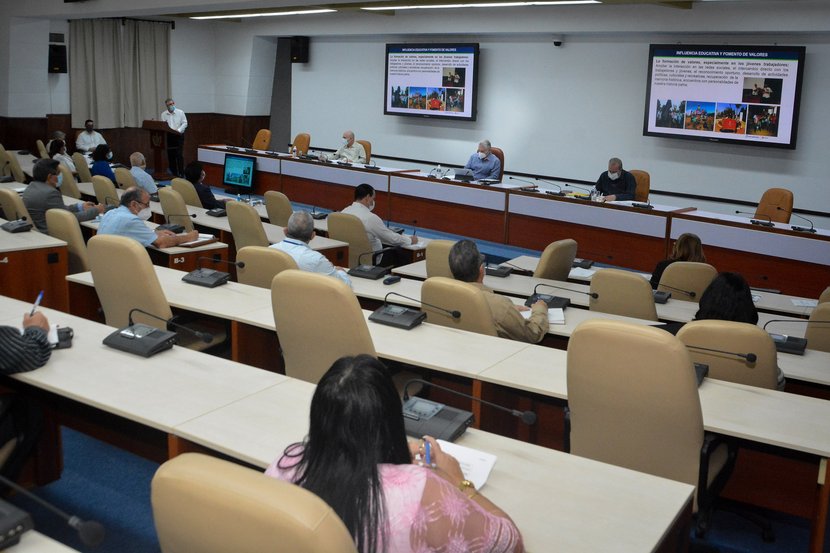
37, 303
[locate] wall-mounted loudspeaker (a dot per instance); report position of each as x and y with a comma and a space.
299, 49
57, 58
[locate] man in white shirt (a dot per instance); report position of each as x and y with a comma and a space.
140, 174
88, 139
298, 233
177, 121
378, 233
350, 150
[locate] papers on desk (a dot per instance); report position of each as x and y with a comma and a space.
580, 273
756, 298
201, 240
556, 316
804, 303
476, 465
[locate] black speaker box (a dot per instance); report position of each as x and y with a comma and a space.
299, 49
57, 58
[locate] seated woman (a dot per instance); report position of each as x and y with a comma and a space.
687, 247
195, 173
356, 458
57, 150
101, 157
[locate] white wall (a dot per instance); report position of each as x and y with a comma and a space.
192, 66
29, 56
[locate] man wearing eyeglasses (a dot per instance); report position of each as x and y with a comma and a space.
129, 220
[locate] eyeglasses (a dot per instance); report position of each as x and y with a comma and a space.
142, 204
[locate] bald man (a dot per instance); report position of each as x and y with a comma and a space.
350, 150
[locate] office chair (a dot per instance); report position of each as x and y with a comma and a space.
82, 167
499, 153
643, 180
772, 199
69, 186
262, 140
14, 167
825, 296
187, 190
368, 147
438, 258
640, 408
262, 264
208, 505
13, 206
464, 297
348, 228
174, 208
123, 178
278, 208
733, 337
622, 293
41, 149
687, 276
5, 170
818, 334
246, 226
318, 321
131, 282
557, 260
63, 224
302, 142
105, 192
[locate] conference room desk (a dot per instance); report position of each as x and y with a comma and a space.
26, 161
267, 165
35, 542
555, 499
30, 262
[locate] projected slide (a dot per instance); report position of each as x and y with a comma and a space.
431, 80
738, 94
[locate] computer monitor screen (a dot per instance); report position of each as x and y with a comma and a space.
239, 171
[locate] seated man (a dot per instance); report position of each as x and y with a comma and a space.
298, 233
195, 173
89, 138
28, 350
616, 184
483, 163
42, 194
378, 233
57, 135
57, 151
129, 220
350, 150
139, 172
467, 265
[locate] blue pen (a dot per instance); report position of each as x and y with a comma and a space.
37, 303
429, 456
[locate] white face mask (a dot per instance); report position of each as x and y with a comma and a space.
372, 206
109, 155
481, 155
613, 176
60, 180
145, 214
345, 142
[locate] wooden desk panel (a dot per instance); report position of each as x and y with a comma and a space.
24, 273
188, 260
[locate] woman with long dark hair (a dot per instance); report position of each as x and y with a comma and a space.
357, 459
727, 298
687, 247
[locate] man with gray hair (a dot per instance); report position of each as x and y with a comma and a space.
616, 184
467, 265
139, 172
484, 164
298, 233
57, 135
350, 150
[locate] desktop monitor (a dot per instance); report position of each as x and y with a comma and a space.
239, 171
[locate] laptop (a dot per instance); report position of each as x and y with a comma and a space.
464, 175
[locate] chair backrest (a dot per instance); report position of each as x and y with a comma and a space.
818, 334
368, 147
187, 190
64, 225
124, 178
246, 225
82, 167
105, 191
639, 409
688, 276
5, 170
69, 186
262, 264
458, 296
438, 258
349, 228
278, 208
318, 321
41, 149
772, 199
262, 140
195, 496
174, 208
13, 206
124, 279
499, 153
622, 293
14, 166
825, 296
557, 260
302, 142
734, 337
643, 180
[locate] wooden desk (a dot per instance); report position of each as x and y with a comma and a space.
31, 262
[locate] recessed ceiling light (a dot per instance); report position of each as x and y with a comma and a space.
483, 5
263, 14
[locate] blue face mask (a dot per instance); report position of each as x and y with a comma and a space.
171, 109
60, 180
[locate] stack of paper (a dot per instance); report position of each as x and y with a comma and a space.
476, 465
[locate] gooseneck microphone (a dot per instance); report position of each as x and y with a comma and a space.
558, 191
690, 293
91, 532
240, 264
754, 221
206, 337
748, 357
569, 185
527, 417
530, 182
803, 321
167, 216
795, 228
455, 314
592, 294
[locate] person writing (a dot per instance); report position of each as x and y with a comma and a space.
350, 150
687, 247
129, 220
484, 164
26, 351
357, 459
177, 121
616, 184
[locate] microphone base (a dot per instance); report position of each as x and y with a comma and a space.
582, 263
445, 423
372, 167
499, 271
642, 205
217, 212
13, 523
554, 302
761, 223
17, 226
661, 296
371, 272
319, 216
554, 193
209, 278
142, 340
789, 344
802, 229
399, 317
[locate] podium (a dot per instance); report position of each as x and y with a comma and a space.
159, 132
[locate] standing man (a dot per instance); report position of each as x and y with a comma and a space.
616, 184
43, 194
88, 139
350, 150
177, 121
